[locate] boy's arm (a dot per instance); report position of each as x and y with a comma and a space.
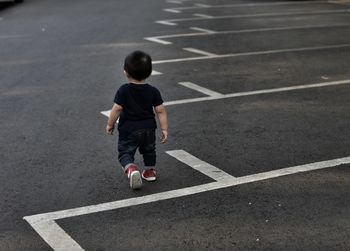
113, 117
163, 121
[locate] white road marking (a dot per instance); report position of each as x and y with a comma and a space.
259, 92
199, 165
174, 1
201, 89
291, 13
106, 113
54, 235
342, 2
202, 5
58, 239
202, 15
254, 53
156, 73
205, 6
160, 40
206, 32
200, 52
202, 30
165, 23
250, 93
172, 10
178, 1
157, 40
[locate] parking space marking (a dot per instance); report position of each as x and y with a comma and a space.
206, 6
174, 22
156, 73
200, 52
45, 225
54, 235
199, 165
249, 93
174, 1
259, 92
206, 32
166, 23
172, 10
340, 2
201, 89
202, 30
203, 16
178, 1
157, 40
254, 53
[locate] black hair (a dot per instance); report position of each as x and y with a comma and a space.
138, 65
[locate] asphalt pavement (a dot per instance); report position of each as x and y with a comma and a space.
257, 94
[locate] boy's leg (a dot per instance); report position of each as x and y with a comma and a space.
127, 145
148, 151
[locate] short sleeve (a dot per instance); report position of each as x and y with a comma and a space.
157, 98
120, 97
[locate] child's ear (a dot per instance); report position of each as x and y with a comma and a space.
126, 74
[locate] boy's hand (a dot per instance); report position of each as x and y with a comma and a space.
110, 129
164, 136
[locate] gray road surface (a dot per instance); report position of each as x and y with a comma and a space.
60, 65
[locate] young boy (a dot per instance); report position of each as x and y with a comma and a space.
134, 105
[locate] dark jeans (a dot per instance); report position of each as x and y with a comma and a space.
144, 140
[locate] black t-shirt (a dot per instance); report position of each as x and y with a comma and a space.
137, 101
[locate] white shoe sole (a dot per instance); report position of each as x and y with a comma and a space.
149, 179
135, 180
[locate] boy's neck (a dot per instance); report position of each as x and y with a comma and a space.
137, 82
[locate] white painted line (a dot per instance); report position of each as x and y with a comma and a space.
202, 30
156, 73
200, 52
185, 191
293, 170
166, 22
106, 113
342, 2
160, 40
199, 165
63, 214
202, 15
251, 93
206, 32
174, 1
172, 10
201, 89
241, 54
58, 239
178, 10
205, 6
290, 13
53, 234
200, 5
157, 40
259, 92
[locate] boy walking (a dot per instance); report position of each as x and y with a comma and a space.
134, 105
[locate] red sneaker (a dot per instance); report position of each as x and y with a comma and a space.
134, 177
149, 175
